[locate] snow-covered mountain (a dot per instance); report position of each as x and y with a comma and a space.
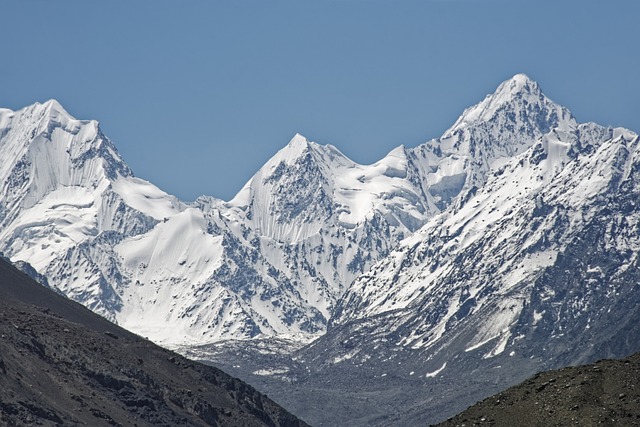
72, 209
62, 185
211, 270
505, 246
481, 267
276, 259
538, 270
532, 265
324, 219
483, 260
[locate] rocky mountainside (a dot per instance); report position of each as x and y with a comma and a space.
603, 393
61, 364
271, 262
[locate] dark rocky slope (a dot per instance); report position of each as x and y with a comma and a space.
61, 364
606, 393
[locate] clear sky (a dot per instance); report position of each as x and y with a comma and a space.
198, 94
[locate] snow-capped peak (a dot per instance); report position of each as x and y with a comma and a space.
519, 83
519, 86
50, 114
520, 98
298, 139
54, 108
300, 146
295, 148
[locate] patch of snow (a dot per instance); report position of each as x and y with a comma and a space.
271, 372
436, 372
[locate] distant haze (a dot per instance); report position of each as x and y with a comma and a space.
198, 95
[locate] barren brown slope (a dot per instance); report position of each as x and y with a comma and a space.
606, 393
60, 364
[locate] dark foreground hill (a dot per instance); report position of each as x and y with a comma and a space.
606, 393
62, 365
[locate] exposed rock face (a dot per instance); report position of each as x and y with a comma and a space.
61, 364
604, 393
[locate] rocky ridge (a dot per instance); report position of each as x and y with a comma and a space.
604, 393
60, 364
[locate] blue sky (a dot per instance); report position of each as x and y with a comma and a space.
197, 94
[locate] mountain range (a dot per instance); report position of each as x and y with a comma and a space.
273, 261
426, 280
